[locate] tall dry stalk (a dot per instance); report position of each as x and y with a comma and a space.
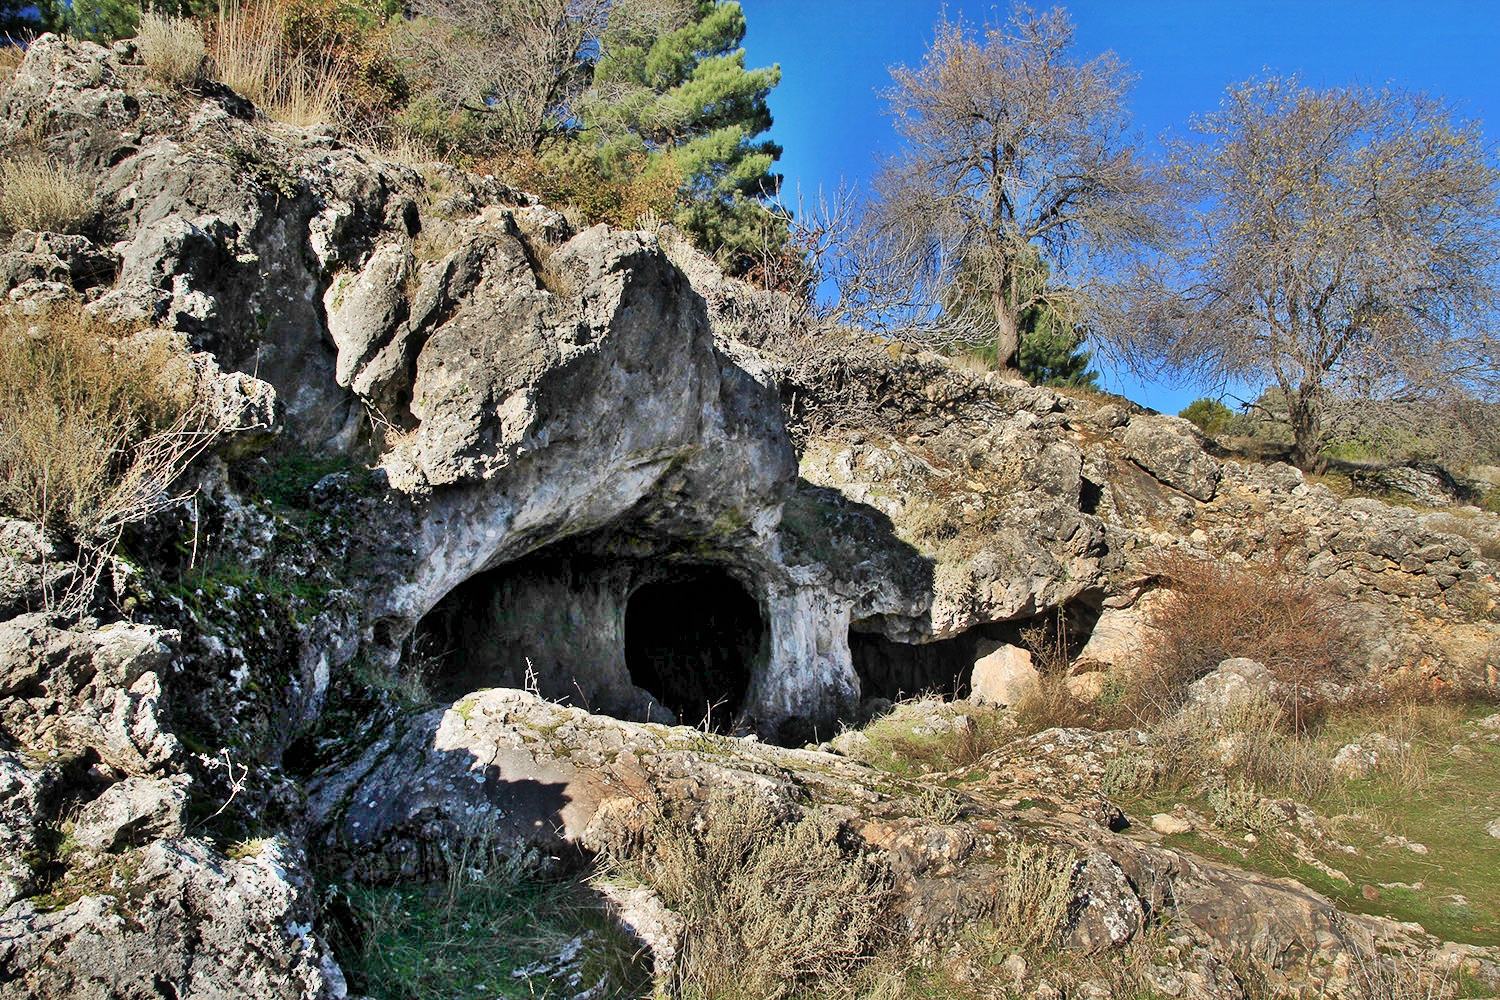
253, 56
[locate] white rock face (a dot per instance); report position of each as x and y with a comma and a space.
135, 810
1122, 636
1003, 677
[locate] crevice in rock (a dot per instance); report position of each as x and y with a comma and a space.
692, 642
1090, 495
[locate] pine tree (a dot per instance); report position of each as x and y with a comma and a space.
103, 21
685, 92
1052, 353
21, 19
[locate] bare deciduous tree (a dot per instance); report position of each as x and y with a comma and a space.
1019, 168
1341, 244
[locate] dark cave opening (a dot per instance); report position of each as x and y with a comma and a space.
895, 670
692, 642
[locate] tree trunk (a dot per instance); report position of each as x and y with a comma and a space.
1007, 339
1305, 412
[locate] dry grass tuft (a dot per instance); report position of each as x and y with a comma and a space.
1038, 886
1214, 612
11, 57
253, 56
89, 420
172, 48
41, 195
772, 909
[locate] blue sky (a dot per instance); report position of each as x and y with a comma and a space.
834, 56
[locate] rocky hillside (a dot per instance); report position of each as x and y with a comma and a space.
494, 504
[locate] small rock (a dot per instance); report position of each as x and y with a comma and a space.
1369, 892
1490, 722
1233, 681
1166, 823
1015, 967
1046, 991
1493, 828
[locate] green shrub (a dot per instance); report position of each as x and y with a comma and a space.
1211, 416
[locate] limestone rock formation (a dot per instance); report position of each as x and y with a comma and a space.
505, 501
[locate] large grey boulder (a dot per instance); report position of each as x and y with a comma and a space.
71, 691
1168, 448
1234, 682
25, 796
179, 920
35, 568
134, 811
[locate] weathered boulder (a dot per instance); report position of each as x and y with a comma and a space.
35, 569
76, 690
1168, 448
25, 796
1121, 637
132, 812
524, 773
1004, 676
1233, 682
178, 915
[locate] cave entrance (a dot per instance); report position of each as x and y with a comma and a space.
692, 642
945, 667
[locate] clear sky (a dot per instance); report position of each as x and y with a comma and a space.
835, 54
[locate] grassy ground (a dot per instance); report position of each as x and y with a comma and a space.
1438, 797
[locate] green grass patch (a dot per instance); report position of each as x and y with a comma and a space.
287, 480
492, 931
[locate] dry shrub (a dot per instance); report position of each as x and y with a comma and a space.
1037, 888
1049, 705
172, 49
1376, 976
41, 195
307, 62
1250, 742
772, 909
90, 422
11, 57
1213, 612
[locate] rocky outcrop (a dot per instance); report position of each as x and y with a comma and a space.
534, 774
477, 451
176, 918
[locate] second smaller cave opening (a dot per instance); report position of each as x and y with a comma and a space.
692, 642
895, 670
